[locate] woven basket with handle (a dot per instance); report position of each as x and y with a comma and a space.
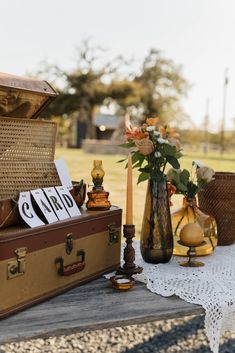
218, 200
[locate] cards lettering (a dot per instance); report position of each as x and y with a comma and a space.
68, 201
44, 205
56, 203
27, 212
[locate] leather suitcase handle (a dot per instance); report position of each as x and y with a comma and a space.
75, 267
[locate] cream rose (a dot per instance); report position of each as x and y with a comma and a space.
205, 173
145, 146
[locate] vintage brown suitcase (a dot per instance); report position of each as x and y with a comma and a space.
37, 263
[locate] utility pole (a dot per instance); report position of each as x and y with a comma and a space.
222, 137
206, 124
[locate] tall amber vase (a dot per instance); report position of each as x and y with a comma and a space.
156, 241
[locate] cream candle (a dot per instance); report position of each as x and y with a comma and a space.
129, 193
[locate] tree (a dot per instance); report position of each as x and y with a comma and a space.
155, 91
89, 85
163, 85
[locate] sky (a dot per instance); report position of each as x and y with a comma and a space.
197, 34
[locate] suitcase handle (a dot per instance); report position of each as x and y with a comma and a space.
75, 267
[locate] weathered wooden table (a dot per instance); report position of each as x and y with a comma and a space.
93, 306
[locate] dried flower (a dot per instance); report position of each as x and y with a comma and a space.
157, 154
185, 182
154, 149
205, 174
161, 140
145, 146
150, 128
152, 121
135, 133
175, 142
171, 190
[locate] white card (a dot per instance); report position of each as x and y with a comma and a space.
68, 201
56, 203
44, 205
27, 211
63, 173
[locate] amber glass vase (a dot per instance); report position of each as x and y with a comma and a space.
190, 213
156, 240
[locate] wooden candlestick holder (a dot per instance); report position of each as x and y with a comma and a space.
129, 268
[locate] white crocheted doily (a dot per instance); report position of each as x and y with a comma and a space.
212, 286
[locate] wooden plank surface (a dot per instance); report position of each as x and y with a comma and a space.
93, 306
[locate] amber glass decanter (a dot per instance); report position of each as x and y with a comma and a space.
190, 212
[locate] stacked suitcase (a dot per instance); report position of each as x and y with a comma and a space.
38, 263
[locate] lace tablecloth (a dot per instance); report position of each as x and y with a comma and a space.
212, 286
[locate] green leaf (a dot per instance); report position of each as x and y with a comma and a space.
192, 189
145, 169
137, 159
168, 150
127, 144
122, 160
173, 176
142, 177
173, 162
136, 156
181, 187
184, 176
178, 154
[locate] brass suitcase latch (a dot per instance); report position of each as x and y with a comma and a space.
17, 267
113, 233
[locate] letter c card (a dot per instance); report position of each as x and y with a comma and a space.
27, 211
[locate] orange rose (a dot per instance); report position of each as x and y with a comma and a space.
152, 121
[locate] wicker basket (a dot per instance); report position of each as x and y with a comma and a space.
218, 200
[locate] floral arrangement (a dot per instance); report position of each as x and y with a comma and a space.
152, 146
189, 184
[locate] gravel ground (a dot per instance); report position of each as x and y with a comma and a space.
168, 336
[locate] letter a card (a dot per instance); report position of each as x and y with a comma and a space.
68, 201
56, 203
27, 211
44, 205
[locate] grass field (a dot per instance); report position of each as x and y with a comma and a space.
80, 166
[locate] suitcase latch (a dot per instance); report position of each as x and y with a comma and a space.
17, 267
113, 233
69, 243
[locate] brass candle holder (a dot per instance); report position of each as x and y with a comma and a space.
129, 268
192, 236
191, 256
98, 197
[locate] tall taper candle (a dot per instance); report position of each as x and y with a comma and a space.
129, 195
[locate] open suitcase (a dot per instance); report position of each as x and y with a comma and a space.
38, 263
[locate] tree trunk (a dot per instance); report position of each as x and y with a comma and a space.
91, 129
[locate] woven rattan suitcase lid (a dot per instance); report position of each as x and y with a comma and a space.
26, 155
23, 97
27, 146
27, 140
